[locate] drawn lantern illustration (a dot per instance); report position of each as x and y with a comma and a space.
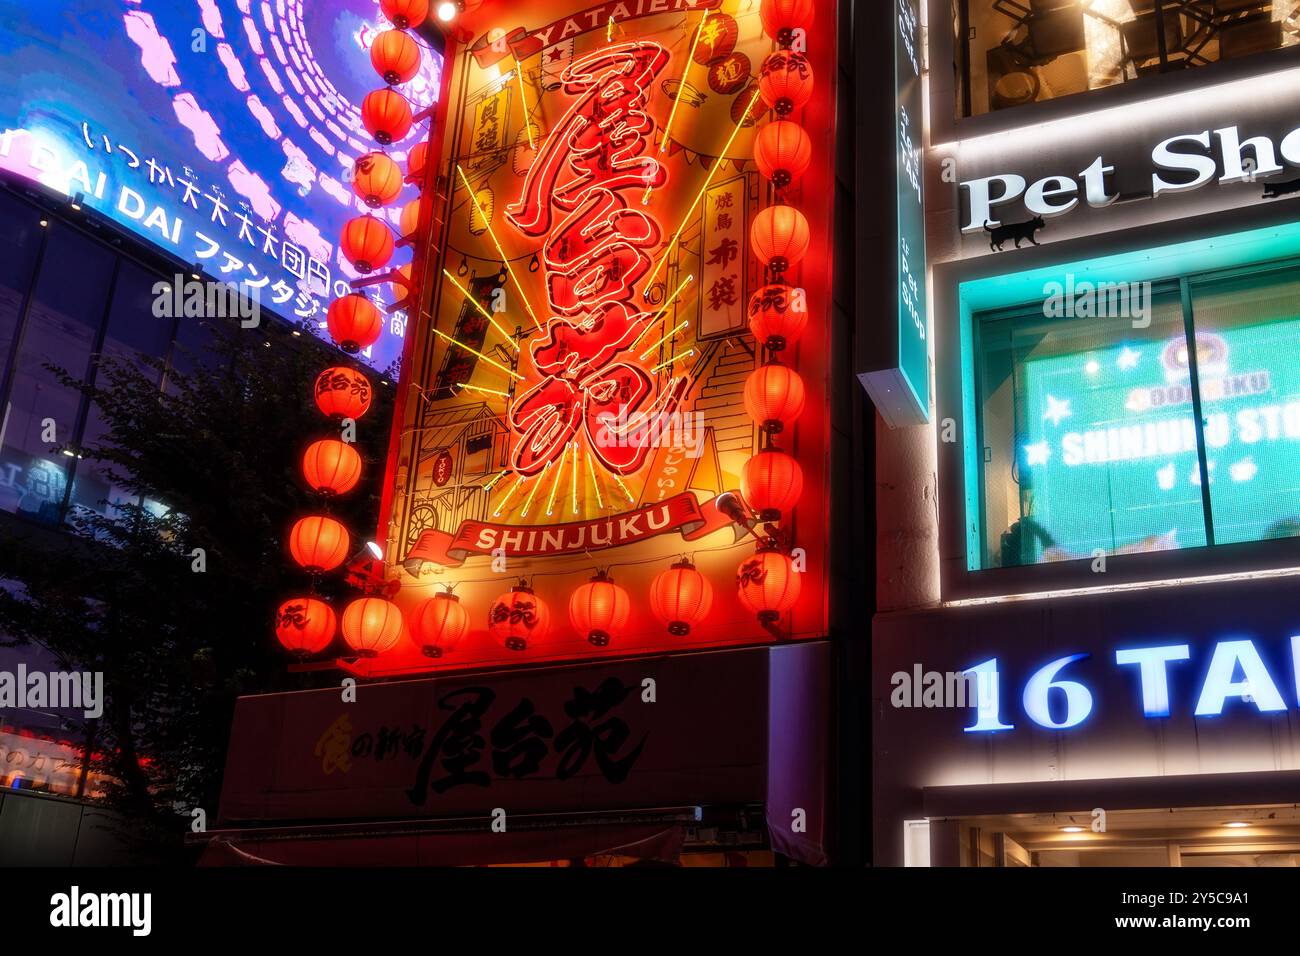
599, 609
319, 543
681, 597
518, 617
768, 584
438, 624
342, 392
305, 626
354, 322
372, 626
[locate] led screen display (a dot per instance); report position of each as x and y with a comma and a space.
222, 130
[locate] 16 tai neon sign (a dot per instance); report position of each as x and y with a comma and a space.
1236, 672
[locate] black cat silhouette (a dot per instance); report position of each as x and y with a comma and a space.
1274, 190
1019, 231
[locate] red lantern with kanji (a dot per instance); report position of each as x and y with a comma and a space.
779, 237
305, 626
782, 17
782, 152
438, 624
395, 57
367, 243
415, 161
372, 626
771, 483
354, 322
386, 115
405, 14
319, 543
342, 392
518, 617
774, 397
681, 597
331, 467
786, 81
599, 609
376, 179
768, 584
775, 317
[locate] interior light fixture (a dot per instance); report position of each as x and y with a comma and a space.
1236, 824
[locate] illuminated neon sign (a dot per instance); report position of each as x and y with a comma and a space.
1055, 698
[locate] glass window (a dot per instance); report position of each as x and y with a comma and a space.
1018, 51
20, 242
62, 325
1089, 438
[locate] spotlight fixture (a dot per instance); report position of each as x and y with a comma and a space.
76, 202
44, 223
196, 271
374, 549
449, 10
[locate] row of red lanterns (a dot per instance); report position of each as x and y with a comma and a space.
320, 543
680, 597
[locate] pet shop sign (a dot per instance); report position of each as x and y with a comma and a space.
1180, 164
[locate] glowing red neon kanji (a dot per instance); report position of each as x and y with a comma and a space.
594, 256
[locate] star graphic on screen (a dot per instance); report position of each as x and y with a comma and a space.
1128, 359
1056, 410
1038, 454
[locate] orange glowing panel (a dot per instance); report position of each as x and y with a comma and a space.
573, 409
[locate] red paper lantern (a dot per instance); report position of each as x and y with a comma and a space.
395, 57
331, 467
786, 81
318, 543
438, 624
305, 626
771, 483
783, 152
779, 237
354, 322
367, 243
386, 115
782, 17
405, 14
518, 617
681, 597
774, 397
773, 318
599, 609
342, 392
372, 626
410, 219
376, 179
415, 161
768, 585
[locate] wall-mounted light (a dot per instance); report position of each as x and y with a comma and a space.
196, 272
376, 550
76, 202
44, 223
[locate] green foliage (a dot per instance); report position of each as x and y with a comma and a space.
221, 448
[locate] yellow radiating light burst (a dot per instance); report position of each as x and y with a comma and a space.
685, 355
700, 195
506, 500
523, 101
671, 333
559, 479
658, 315
681, 84
480, 388
577, 451
497, 242
617, 478
528, 503
600, 501
609, 29
486, 314
471, 351
491, 484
